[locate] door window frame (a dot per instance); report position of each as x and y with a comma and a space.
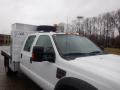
29, 49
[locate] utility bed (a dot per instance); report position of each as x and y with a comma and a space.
19, 33
6, 54
6, 51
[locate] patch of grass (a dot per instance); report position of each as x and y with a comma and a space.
112, 50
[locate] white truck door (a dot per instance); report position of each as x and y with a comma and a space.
45, 69
26, 52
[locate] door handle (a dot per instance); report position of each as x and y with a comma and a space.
30, 59
21, 55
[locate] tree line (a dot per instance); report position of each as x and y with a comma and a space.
104, 29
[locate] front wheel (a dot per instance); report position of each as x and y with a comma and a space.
66, 88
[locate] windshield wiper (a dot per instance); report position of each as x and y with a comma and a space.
95, 52
74, 54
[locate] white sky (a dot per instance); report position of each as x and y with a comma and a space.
39, 12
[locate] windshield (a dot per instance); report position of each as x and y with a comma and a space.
75, 46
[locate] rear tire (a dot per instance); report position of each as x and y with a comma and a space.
9, 72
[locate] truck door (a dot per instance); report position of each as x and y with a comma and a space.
26, 52
45, 69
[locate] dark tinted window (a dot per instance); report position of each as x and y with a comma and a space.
44, 41
29, 43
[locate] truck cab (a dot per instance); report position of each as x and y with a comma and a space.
45, 56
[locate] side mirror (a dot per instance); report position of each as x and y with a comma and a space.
38, 54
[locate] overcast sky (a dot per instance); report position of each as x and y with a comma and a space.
39, 12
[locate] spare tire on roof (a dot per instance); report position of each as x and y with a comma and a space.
46, 28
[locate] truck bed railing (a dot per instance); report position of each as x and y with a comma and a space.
5, 54
7, 57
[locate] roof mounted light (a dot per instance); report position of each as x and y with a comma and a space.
46, 28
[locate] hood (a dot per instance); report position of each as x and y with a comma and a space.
105, 68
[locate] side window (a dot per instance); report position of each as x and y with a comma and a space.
29, 43
44, 41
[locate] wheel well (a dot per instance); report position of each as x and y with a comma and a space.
70, 83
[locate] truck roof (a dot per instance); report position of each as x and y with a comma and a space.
45, 33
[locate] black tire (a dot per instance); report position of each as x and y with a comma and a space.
66, 88
73, 88
9, 72
71, 83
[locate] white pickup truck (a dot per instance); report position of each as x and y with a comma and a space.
59, 61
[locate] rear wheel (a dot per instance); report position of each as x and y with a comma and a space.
9, 72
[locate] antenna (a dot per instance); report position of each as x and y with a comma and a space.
67, 24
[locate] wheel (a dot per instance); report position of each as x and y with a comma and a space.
71, 83
66, 88
8, 71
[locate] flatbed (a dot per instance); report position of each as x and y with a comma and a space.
7, 56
